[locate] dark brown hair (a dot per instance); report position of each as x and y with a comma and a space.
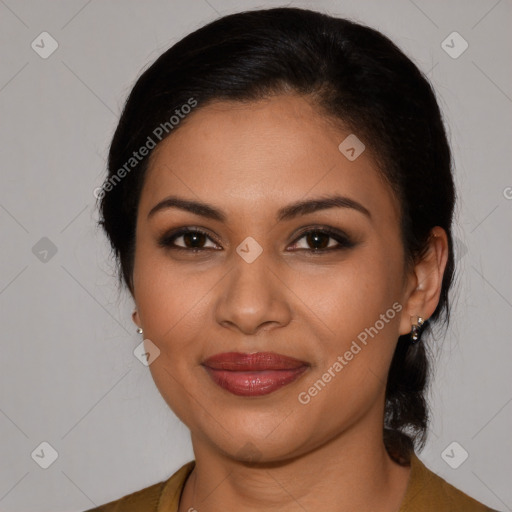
355, 75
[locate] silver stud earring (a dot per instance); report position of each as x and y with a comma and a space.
416, 329
139, 330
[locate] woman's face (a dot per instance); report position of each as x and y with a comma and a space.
254, 284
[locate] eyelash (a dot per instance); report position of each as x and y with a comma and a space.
344, 242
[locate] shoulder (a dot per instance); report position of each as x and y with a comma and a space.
150, 499
427, 491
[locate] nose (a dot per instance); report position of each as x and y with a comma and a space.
253, 297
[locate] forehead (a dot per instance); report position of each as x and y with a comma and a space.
243, 156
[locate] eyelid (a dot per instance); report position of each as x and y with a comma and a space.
165, 239
342, 239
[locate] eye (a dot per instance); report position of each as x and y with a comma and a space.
319, 239
190, 240
194, 239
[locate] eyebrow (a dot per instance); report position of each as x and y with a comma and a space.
286, 213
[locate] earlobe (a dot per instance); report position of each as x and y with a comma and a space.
428, 275
135, 318
417, 323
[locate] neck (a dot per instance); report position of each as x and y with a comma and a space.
351, 472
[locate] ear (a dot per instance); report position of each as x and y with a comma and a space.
135, 318
425, 281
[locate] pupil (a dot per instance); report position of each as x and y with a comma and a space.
313, 238
193, 236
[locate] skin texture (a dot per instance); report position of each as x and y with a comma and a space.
249, 160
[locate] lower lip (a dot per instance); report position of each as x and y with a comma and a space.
254, 383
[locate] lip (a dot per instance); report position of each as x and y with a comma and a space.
255, 374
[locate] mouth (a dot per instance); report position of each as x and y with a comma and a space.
255, 374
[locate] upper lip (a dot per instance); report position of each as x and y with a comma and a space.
236, 361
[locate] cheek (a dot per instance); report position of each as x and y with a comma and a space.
353, 295
358, 306
361, 312
172, 304
169, 294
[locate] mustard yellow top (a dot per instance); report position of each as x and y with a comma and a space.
426, 492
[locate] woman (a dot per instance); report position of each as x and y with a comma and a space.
280, 200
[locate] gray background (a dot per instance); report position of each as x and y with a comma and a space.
68, 375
